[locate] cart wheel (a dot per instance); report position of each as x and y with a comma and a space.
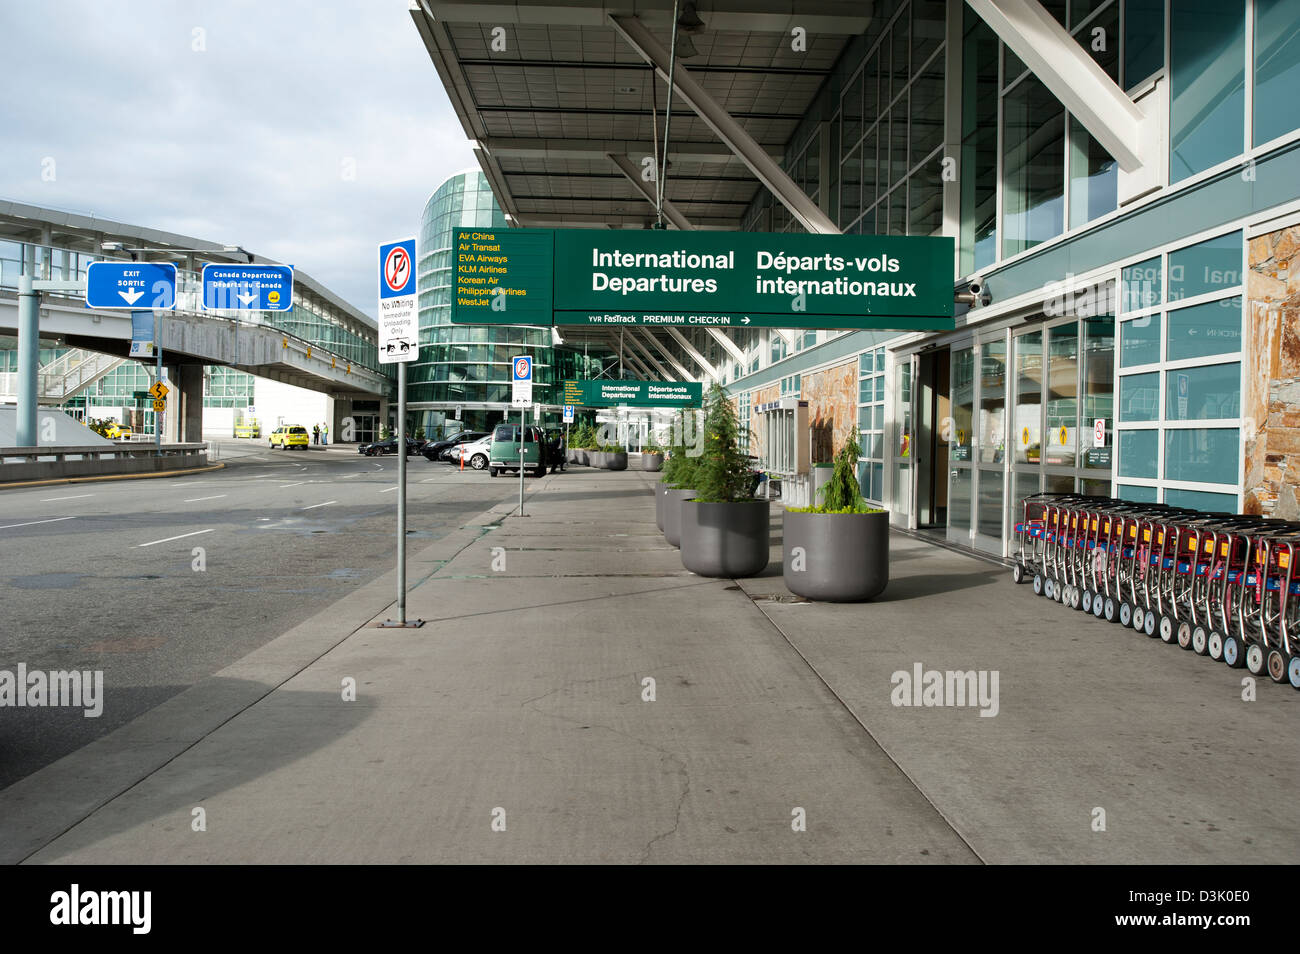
1293, 672
1059, 591
1183, 635
1214, 645
1276, 665
1098, 605
1200, 640
1232, 655
1049, 588
1149, 623
1038, 584
1167, 629
1076, 597
1087, 601
1126, 614
1139, 614
1110, 611
1018, 573
1255, 658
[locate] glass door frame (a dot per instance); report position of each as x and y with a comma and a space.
966, 537
995, 472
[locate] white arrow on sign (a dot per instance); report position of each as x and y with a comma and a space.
745, 320
246, 298
131, 296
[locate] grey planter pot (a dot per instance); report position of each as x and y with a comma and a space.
842, 558
820, 478
596, 458
616, 461
652, 462
673, 514
660, 488
725, 539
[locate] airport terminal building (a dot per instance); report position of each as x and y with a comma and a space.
1121, 179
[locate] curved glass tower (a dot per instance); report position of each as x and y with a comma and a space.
464, 370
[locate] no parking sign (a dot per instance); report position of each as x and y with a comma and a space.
521, 380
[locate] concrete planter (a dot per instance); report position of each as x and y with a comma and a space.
673, 514
615, 461
841, 558
596, 458
653, 463
659, 489
725, 539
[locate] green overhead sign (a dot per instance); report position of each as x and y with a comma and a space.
609, 393
719, 279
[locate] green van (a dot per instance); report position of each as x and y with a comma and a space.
504, 455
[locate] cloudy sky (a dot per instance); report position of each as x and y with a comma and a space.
307, 132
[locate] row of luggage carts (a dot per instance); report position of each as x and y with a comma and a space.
1221, 585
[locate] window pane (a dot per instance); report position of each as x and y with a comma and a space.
1138, 396
1033, 161
1094, 177
1202, 500
1208, 455
1026, 485
1138, 452
870, 169
1062, 396
850, 187
993, 401
1136, 494
1210, 266
1099, 389
1199, 394
1277, 69
1212, 328
990, 503
927, 112
1029, 397
1207, 52
1141, 285
1139, 341
963, 396
979, 155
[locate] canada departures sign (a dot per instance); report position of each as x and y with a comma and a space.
723, 279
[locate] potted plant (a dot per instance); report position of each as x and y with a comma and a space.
837, 550
678, 485
725, 532
652, 458
614, 457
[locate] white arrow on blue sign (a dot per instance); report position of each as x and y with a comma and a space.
139, 285
248, 287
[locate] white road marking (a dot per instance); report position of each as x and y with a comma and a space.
388, 490
213, 497
298, 484
378, 466
188, 483
34, 522
325, 504
170, 539
73, 497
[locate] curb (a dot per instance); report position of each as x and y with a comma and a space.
86, 480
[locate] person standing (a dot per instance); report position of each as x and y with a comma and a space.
325, 434
315, 433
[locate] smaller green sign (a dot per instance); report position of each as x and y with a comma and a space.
140, 395
602, 393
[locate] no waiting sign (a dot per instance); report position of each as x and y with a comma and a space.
399, 336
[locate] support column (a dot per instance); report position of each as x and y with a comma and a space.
188, 408
29, 332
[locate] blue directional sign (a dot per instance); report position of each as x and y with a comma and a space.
248, 287
138, 285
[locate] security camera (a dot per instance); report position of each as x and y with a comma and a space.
976, 293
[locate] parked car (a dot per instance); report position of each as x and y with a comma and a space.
504, 455
248, 430
389, 446
287, 437
118, 432
474, 453
437, 450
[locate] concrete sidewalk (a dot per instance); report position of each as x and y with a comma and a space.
523, 701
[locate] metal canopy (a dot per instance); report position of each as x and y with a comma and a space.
566, 114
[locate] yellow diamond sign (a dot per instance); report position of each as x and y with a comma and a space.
158, 390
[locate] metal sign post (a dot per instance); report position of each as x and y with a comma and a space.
398, 344
521, 396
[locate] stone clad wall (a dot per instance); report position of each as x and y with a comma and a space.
1271, 402
832, 396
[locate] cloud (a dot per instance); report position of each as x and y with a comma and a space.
305, 132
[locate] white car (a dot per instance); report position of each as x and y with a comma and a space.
474, 454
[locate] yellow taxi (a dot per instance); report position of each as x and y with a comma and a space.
248, 430
286, 437
118, 432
